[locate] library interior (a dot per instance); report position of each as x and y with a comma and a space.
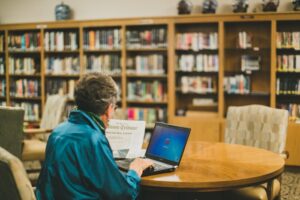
209, 88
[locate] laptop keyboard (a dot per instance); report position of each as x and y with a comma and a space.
126, 162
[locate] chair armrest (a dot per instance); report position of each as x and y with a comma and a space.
285, 155
35, 131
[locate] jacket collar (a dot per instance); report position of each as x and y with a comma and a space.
80, 117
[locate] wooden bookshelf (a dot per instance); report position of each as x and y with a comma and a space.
146, 50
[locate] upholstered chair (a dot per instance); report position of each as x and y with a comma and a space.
35, 145
261, 127
14, 182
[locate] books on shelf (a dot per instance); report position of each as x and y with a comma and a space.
1, 43
288, 40
24, 88
294, 110
24, 65
288, 86
63, 87
2, 103
198, 84
102, 39
250, 63
146, 64
245, 40
198, 63
197, 41
24, 41
62, 66
288, 63
2, 88
238, 84
147, 38
32, 110
152, 91
2, 66
149, 115
61, 41
204, 102
107, 63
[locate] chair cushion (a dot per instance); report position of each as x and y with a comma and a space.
253, 192
33, 150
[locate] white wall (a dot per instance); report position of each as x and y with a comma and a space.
15, 11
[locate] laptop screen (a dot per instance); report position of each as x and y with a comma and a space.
167, 143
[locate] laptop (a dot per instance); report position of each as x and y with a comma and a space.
165, 149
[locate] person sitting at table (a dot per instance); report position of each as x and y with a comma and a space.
79, 163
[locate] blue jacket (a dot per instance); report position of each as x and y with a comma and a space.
79, 164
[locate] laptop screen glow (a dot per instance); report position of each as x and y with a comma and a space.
167, 143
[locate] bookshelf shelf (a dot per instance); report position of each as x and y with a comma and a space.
25, 75
146, 49
254, 94
25, 98
147, 76
63, 52
196, 51
102, 51
68, 76
24, 52
193, 73
2, 97
148, 102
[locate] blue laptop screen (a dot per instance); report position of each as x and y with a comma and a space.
168, 142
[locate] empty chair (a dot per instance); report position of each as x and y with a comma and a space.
261, 127
14, 184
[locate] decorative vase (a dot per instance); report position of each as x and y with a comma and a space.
184, 7
210, 6
296, 4
62, 12
240, 6
270, 5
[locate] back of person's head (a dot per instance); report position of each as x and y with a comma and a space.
94, 92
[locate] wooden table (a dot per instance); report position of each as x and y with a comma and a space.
207, 167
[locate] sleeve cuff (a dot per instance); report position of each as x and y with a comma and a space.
133, 174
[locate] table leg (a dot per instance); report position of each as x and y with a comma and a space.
270, 189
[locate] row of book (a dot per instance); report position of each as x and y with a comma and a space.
288, 40
62, 66
196, 41
62, 87
146, 64
1, 43
2, 88
32, 110
109, 63
24, 88
198, 84
238, 84
102, 39
149, 115
2, 103
288, 86
294, 110
146, 91
198, 63
2, 65
250, 62
288, 63
61, 41
24, 42
244, 40
151, 38
23, 65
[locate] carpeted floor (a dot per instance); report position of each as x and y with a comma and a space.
291, 184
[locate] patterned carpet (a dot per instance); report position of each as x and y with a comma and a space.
291, 184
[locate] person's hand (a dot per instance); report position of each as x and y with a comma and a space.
139, 165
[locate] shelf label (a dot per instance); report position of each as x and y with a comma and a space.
146, 21
40, 26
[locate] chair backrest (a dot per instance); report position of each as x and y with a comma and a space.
258, 126
11, 129
53, 112
14, 182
